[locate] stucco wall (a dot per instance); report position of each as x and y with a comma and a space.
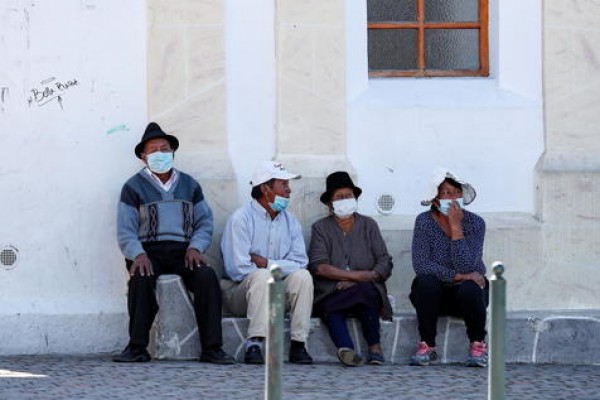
72, 106
487, 130
294, 88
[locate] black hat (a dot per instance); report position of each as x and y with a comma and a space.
338, 180
153, 131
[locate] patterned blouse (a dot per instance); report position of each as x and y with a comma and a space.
434, 253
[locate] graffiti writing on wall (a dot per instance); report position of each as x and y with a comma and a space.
50, 90
3, 97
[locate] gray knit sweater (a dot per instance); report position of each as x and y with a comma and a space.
361, 249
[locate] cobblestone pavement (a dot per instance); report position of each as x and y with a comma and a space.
68, 377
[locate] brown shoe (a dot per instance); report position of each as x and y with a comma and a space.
349, 358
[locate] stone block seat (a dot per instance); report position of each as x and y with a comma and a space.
569, 337
174, 335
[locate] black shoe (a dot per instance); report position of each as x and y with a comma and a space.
299, 355
254, 355
216, 357
132, 354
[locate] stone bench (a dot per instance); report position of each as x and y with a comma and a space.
569, 337
174, 335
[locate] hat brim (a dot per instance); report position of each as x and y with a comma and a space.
326, 196
173, 141
468, 191
284, 177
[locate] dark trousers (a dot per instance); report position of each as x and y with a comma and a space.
168, 258
433, 298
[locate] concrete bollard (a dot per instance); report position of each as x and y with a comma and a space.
496, 371
273, 373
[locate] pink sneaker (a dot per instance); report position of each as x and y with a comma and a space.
424, 356
478, 355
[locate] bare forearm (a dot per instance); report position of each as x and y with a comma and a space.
331, 272
456, 232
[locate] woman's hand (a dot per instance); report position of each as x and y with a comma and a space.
473, 276
329, 271
455, 218
368, 275
343, 285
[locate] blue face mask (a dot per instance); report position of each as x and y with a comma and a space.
444, 206
279, 204
160, 162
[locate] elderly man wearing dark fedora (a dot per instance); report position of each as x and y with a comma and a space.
164, 226
350, 264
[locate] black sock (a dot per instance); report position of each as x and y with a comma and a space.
294, 345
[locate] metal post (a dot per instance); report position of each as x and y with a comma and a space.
496, 371
273, 376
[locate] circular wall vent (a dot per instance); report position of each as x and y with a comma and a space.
385, 203
9, 257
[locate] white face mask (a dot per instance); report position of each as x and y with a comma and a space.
344, 208
160, 162
444, 206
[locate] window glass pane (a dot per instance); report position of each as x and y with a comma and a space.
392, 49
447, 49
452, 10
390, 10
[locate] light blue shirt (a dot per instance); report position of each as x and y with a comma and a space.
250, 230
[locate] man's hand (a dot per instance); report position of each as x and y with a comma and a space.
193, 258
259, 261
142, 264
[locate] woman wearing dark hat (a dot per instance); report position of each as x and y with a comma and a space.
447, 252
350, 264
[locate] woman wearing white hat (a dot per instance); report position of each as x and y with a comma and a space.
447, 252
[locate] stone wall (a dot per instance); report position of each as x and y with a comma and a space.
550, 256
569, 172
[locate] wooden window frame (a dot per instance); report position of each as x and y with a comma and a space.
420, 25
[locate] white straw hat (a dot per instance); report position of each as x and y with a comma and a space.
439, 175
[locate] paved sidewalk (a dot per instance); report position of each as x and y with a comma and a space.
69, 377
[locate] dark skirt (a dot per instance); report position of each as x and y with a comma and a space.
362, 293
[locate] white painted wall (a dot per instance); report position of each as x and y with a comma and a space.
251, 69
64, 161
487, 130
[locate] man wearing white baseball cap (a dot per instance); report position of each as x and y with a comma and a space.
258, 235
